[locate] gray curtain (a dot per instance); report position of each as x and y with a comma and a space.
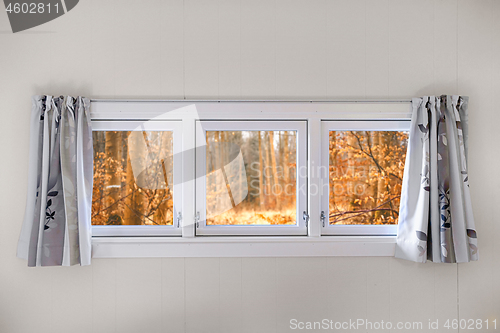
435, 218
57, 228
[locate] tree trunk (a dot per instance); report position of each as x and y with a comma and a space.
100, 170
276, 185
351, 185
261, 171
374, 138
381, 197
211, 156
332, 171
241, 166
112, 184
286, 166
124, 163
136, 201
162, 204
267, 180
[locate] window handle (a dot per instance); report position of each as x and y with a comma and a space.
323, 218
305, 216
197, 219
179, 219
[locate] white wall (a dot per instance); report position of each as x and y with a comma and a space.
251, 49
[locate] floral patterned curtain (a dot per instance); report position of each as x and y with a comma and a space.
57, 229
435, 218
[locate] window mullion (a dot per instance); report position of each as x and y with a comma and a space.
314, 169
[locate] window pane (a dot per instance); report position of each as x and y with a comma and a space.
251, 177
366, 171
132, 178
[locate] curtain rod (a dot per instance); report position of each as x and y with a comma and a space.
247, 101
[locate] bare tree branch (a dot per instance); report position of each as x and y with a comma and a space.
360, 212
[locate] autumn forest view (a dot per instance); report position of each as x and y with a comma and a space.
366, 172
132, 178
251, 177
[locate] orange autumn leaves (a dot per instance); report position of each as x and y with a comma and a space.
365, 171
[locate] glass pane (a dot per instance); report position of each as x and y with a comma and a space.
366, 171
251, 177
132, 178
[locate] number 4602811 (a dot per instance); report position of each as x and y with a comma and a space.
31, 8
470, 324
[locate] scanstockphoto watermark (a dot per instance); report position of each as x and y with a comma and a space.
353, 324
364, 324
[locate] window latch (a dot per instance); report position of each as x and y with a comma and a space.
305, 216
179, 218
197, 219
323, 218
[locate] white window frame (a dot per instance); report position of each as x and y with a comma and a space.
353, 125
147, 230
188, 112
300, 127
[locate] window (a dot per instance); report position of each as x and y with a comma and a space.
246, 182
135, 170
365, 163
246, 178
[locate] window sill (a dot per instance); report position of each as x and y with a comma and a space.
151, 247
